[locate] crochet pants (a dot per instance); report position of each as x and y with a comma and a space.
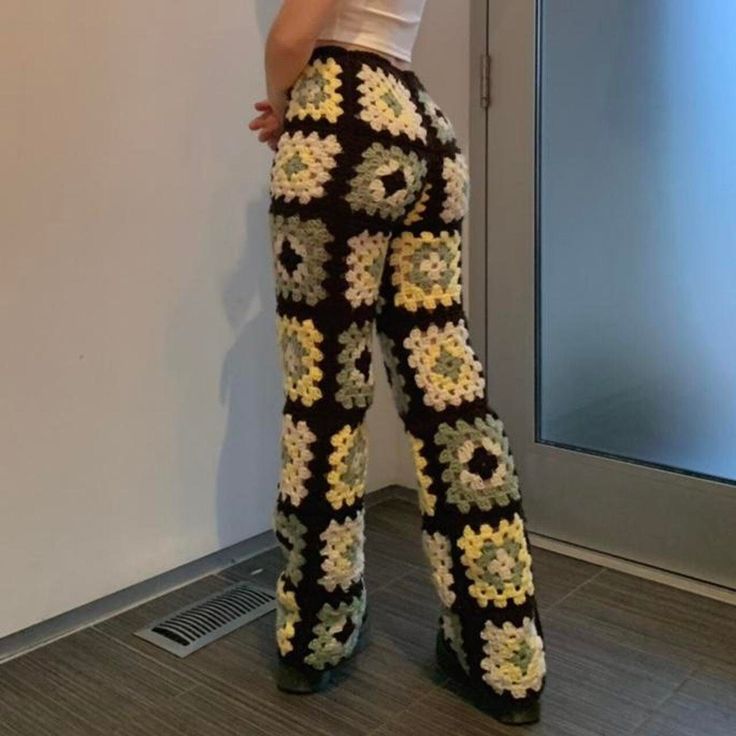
368, 190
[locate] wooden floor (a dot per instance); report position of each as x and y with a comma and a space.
625, 656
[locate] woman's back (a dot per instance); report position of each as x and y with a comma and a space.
390, 26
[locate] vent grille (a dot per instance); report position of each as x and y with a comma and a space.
199, 623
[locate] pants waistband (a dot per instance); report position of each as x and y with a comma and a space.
369, 57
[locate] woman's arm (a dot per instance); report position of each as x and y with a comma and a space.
290, 42
288, 47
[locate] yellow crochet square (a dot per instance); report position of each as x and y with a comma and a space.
456, 178
314, 94
497, 562
296, 440
445, 366
348, 466
287, 615
300, 355
515, 658
426, 269
427, 500
386, 104
303, 165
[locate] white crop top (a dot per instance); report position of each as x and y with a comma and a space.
385, 25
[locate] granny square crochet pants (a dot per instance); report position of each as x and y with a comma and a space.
368, 190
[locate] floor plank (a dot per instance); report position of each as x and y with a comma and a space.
85, 683
655, 617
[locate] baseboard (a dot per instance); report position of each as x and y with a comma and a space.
44, 632
657, 575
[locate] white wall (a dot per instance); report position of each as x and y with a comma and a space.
140, 393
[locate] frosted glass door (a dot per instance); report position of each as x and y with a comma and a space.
610, 278
637, 216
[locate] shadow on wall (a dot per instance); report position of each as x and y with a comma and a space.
251, 391
250, 449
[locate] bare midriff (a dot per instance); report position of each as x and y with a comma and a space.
395, 60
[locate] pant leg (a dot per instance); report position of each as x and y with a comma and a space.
335, 195
473, 522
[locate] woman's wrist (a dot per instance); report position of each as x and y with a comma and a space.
279, 101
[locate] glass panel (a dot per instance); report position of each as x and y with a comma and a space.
637, 231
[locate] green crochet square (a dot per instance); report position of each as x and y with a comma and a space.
355, 377
479, 468
300, 252
387, 181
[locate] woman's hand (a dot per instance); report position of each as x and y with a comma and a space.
270, 122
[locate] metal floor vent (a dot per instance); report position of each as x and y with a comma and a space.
201, 622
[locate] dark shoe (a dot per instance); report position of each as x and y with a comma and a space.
293, 679
483, 698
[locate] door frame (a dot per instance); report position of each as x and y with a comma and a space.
476, 255
640, 529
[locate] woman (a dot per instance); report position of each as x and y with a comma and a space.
368, 191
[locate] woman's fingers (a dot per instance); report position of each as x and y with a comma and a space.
265, 127
266, 112
263, 116
267, 133
267, 124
